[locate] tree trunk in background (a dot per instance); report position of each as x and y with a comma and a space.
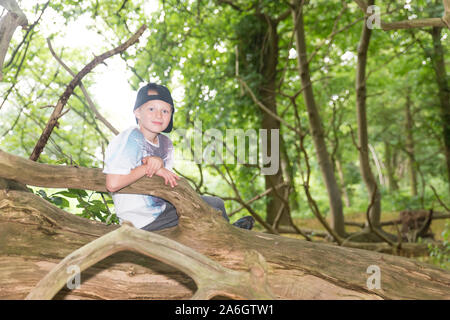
35, 236
288, 174
315, 124
363, 140
267, 94
388, 160
444, 93
342, 181
410, 144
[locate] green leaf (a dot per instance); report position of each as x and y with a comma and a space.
42, 193
79, 192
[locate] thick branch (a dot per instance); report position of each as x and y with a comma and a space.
43, 175
446, 17
8, 24
414, 23
209, 275
13, 8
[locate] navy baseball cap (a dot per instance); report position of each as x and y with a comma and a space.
163, 94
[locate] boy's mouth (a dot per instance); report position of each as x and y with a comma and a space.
157, 123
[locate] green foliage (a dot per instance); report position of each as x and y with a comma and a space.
192, 45
440, 256
56, 200
90, 207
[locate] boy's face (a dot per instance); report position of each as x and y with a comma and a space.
154, 116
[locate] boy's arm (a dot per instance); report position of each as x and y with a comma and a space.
153, 164
115, 182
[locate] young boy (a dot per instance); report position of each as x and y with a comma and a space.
144, 151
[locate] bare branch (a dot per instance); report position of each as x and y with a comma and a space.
39, 147
231, 4
85, 93
362, 4
259, 196
369, 221
329, 40
265, 109
283, 16
438, 198
354, 139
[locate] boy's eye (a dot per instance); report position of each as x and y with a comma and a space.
166, 111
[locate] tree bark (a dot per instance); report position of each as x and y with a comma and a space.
413, 23
211, 278
288, 175
410, 145
35, 236
315, 124
267, 94
8, 24
444, 92
388, 160
363, 144
342, 181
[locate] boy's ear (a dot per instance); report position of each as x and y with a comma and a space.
137, 114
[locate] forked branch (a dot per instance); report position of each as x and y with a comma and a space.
211, 278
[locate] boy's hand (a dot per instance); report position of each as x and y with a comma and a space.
168, 176
153, 164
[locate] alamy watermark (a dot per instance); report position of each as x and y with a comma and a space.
374, 19
235, 146
74, 280
374, 281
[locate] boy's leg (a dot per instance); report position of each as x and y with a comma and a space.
217, 204
168, 218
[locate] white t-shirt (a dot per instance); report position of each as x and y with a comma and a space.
124, 153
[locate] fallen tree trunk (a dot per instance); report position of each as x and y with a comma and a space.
35, 236
211, 278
